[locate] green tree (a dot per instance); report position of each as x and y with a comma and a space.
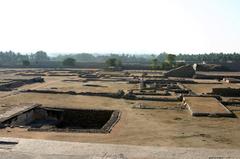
40, 57
171, 59
165, 66
111, 62
25, 63
69, 62
119, 63
155, 64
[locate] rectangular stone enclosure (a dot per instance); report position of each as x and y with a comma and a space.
65, 120
206, 106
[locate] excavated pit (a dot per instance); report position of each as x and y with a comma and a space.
65, 120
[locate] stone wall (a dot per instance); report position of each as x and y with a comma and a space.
186, 71
227, 92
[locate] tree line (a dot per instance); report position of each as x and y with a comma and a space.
160, 61
12, 58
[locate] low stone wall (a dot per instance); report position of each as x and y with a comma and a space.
18, 83
118, 94
227, 92
162, 99
214, 76
31, 74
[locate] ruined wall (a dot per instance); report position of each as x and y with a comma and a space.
227, 92
183, 71
18, 83
210, 67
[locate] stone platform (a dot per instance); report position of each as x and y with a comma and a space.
206, 106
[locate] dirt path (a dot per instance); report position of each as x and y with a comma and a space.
30, 148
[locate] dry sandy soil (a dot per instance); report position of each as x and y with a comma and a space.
152, 127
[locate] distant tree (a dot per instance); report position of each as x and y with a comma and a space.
119, 63
165, 66
111, 62
25, 63
40, 56
171, 59
84, 57
162, 56
69, 62
155, 64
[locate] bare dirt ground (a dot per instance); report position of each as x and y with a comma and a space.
149, 127
207, 88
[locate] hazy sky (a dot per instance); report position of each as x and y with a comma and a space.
130, 26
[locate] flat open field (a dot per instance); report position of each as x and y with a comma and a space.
164, 126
